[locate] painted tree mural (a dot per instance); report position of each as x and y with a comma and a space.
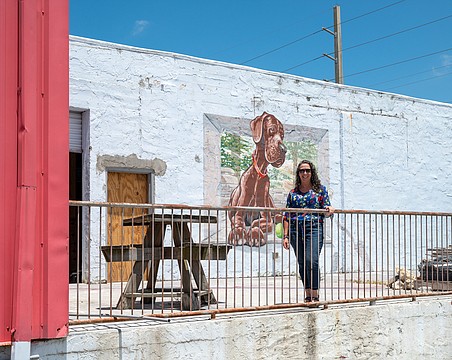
235, 152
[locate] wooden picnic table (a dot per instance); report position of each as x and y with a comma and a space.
148, 255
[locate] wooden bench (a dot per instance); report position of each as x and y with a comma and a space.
203, 251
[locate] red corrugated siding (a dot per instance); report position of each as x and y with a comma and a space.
34, 162
56, 185
8, 157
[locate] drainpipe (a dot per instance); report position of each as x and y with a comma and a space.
342, 180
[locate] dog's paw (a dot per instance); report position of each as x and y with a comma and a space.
238, 236
257, 237
260, 242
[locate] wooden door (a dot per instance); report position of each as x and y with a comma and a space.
124, 188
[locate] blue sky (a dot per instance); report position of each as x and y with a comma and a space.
398, 46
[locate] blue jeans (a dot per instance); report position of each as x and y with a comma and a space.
307, 241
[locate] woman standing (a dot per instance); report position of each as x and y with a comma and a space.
305, 230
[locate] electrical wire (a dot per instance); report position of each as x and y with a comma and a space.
371, 41
394, 34
306, 62
319, 31
266, 33
396, 63
418, 81
282, 47
370, 12
407, 76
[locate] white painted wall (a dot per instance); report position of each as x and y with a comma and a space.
385, 151
396, 149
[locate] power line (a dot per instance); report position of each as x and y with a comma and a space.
370, 12
396, 63
264, 34
306, 62
407, 76
319, 31
394, 34
371, 41
418, 81
282, 46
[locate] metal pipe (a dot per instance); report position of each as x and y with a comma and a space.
213, 313
256, 209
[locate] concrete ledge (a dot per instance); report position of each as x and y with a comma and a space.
398, 330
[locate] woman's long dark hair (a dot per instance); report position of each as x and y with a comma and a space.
315, 181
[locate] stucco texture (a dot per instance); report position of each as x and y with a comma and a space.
383, 151
388, 330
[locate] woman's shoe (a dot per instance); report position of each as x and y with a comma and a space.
315, 299
308, 299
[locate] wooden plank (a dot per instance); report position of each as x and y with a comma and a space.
165, 294
118, 253
214, 251
169, 219
124, 188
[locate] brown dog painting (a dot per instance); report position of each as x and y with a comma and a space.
250, 227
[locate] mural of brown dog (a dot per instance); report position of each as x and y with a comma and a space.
248, 227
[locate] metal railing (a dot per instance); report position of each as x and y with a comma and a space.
135, 260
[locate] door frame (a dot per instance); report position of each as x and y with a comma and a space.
85, 175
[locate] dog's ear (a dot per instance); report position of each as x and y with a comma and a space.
256, 127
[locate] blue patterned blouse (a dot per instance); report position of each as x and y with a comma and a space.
308, 200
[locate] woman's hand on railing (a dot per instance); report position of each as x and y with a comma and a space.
330, 211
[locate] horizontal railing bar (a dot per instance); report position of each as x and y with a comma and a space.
253, 209
106, 318
185, 207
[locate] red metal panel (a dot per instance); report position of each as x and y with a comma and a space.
34, 162
28, 154
56, 184
8, 158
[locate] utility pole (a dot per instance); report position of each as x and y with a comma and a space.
339, 76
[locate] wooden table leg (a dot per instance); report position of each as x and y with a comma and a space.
153, 238
152, 271
189, 300
126, 300
194, 267
198, 272
202, 283
158, 233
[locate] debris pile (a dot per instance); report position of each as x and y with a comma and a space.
404, 279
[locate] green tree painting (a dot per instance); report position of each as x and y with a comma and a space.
296, 151
235, 152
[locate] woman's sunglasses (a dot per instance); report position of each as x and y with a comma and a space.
307, 171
